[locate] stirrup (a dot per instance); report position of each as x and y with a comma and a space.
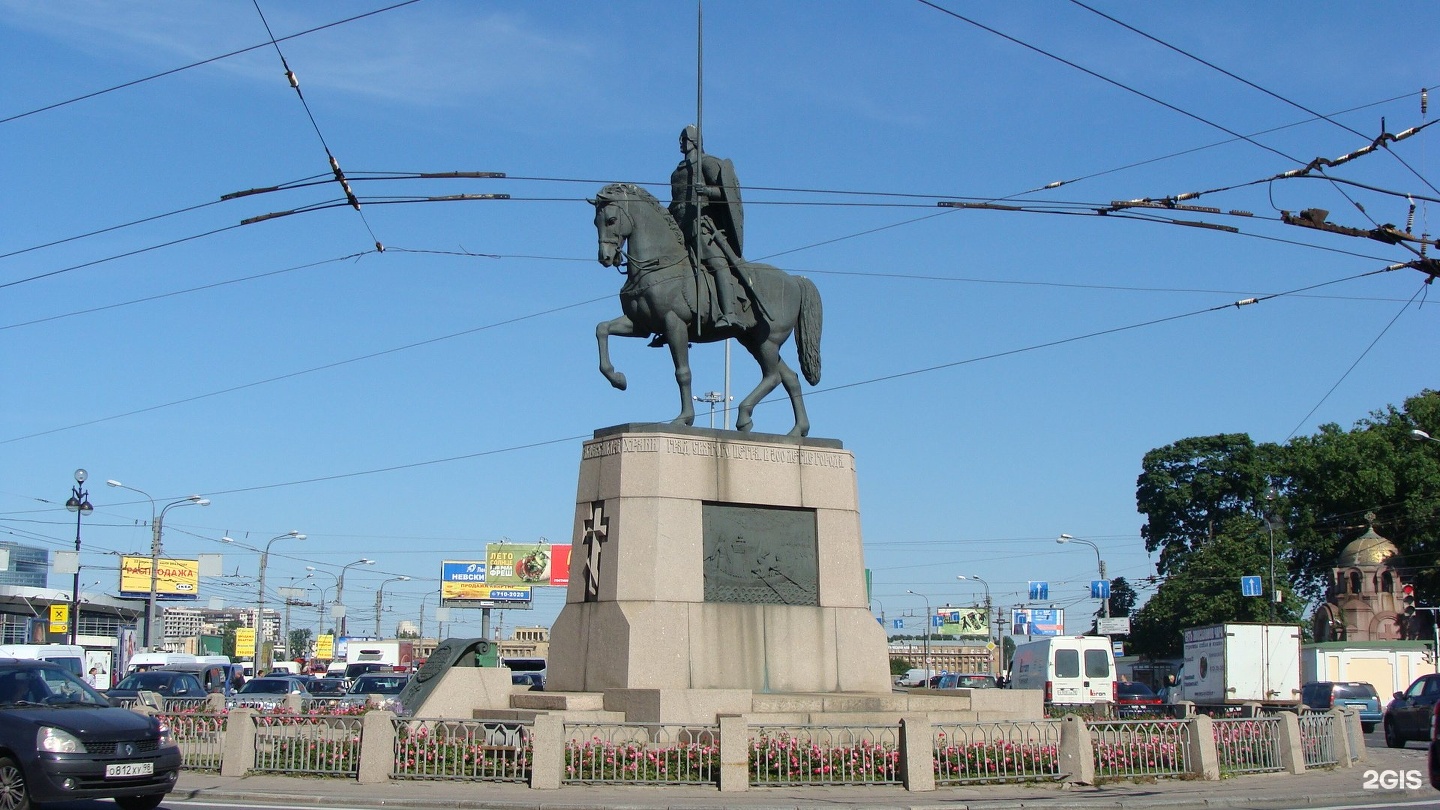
657, 341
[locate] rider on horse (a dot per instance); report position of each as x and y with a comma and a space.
705, 186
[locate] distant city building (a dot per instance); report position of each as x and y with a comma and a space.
527, 642
407, 629
28, 567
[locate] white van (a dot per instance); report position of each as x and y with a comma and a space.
139, 662
1071, 669
69, 656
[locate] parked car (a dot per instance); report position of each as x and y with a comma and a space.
327, 687
267, 692
955, 680
62, 741
1133, 699
532, 680
167, 683
1326, 695
1408, 716
389, 684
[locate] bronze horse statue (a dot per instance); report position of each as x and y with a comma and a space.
660, 298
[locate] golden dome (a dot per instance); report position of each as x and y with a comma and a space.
1368, 549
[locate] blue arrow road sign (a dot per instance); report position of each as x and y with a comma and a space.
1099, 589
1039, 591
1250, 586
898, 624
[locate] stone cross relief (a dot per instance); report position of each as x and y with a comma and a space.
596, 533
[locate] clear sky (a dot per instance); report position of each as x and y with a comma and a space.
998, 374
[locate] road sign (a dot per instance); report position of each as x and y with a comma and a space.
1039, 591
1250, 586
1099, 589
1114, 626
897, 624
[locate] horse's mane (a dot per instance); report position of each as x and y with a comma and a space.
628, 191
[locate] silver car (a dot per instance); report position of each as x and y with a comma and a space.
267, 692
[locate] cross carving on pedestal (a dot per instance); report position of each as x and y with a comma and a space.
596, 533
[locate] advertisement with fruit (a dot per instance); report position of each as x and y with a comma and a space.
527, 564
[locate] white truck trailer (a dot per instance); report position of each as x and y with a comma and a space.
1241, 663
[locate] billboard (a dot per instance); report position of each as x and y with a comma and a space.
466, 581
325, 646
60, 618
971, 622
525, 564
245, 642
1038, 622
174, 579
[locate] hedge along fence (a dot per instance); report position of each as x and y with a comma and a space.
377, 746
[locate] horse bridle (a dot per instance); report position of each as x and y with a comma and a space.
617, 241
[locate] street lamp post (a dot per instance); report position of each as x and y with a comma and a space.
340, 589
927, 634
262, 654
79, 503
313, 570
989, 635
157, 524
379, 600
1104, 603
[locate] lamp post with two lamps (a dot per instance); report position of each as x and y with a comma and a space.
989, 635
1104, 603
928, 620
157, 524
380, 603
262, 653
340, 590
79, 503
319, 631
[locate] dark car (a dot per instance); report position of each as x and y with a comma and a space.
353, 671
327, 687
1408, 716
166, 683
1133, 699
60, 741
534, 681
955, 680
1326, 695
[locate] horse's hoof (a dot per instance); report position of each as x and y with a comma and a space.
799, 430
682, 419
744, 425
618, 381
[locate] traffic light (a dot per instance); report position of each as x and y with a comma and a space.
1407, 599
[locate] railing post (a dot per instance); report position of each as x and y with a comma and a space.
1339, 739
1292, 747
1184, 709
1252, 709
377, 747
292, 703
547, 746
1356, 732
1203, 759
237, 752
734, 754
917, 752
1077, 751
215, 702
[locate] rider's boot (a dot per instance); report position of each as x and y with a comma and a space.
724, 291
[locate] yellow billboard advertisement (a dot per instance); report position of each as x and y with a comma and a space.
174, 579
245, 642
59, 618
325, 646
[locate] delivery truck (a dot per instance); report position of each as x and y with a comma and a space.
1241, 663
398, 654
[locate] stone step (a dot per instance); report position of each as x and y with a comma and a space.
558, 701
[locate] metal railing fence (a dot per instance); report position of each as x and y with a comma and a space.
316, 745
200, 737
824, 755
1140, 748
171, 704
641, 754
474, 750
1248, 744
1016, 751
1317, 738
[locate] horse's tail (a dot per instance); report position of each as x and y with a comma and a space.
807, 330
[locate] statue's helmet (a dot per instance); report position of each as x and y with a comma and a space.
690, 134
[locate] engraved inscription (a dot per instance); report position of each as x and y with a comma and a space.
626, 444
760, 554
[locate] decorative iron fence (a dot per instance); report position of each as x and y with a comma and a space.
1144, 748
475, 750
1317, 737
641, 754
824, 755
185, 704
996, 752
1248, 744
310, 744
322, 705
200, 737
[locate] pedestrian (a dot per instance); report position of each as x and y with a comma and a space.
96, 678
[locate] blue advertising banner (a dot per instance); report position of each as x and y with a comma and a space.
1037, 622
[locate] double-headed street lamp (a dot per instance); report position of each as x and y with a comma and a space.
988, 635
340, 590
319, 631
79, 503
262, 653
379, 603
157, 523
1104, 603
928, 620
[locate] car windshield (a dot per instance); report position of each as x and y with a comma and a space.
152, 681
1354, 691
21, 686
266, 686
1134, 689
379, 685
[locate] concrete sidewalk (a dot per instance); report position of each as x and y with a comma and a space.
1312, 789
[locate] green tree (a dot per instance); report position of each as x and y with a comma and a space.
299, 642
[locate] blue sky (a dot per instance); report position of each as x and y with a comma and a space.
998, 374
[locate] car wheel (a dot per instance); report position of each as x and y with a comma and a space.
1367, 727
13, 794
140, 802
1392, 736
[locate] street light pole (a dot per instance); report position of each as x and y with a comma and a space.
262, 654
157, 523
1104, 603
380, 603
79, 503
989, 635
319, 631
340, 590
927, 634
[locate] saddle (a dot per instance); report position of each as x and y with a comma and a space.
707, 308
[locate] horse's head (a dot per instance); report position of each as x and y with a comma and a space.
613, 223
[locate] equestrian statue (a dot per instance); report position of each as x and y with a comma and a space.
685, 282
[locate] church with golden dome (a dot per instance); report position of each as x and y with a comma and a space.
1365, 597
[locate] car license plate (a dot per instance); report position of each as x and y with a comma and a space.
123, 769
